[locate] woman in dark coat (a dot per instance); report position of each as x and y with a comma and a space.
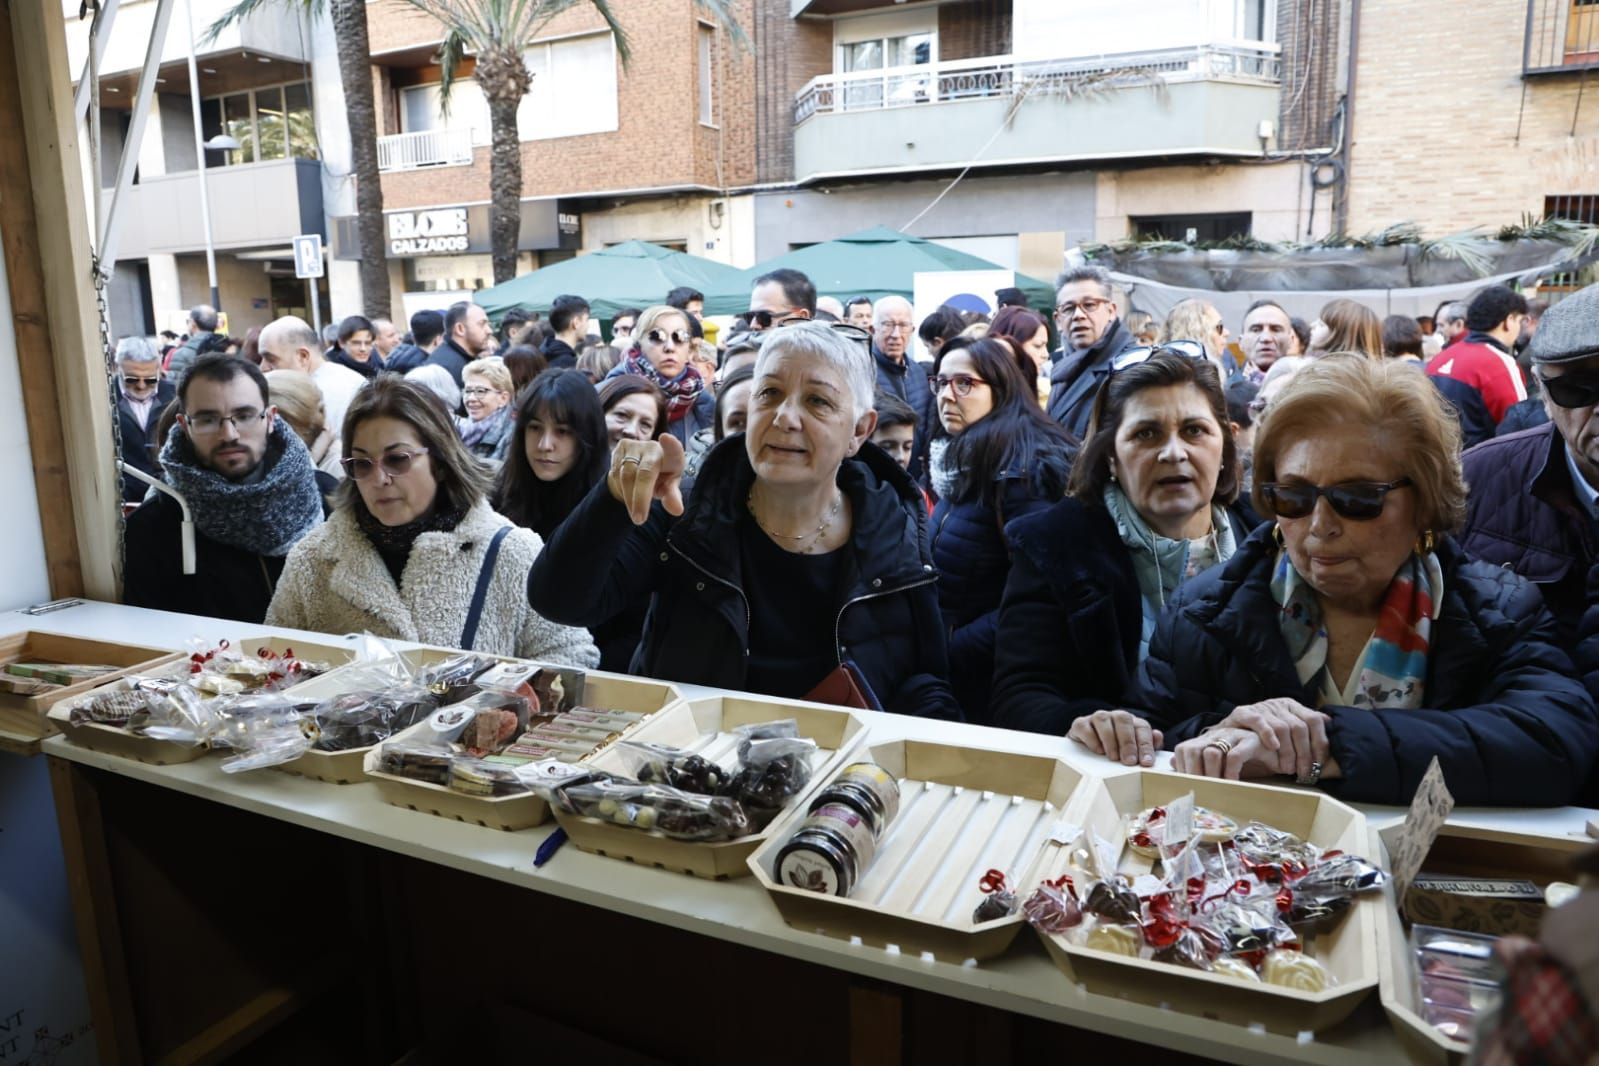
802, 553
1353, 642
994, 459
1148, 509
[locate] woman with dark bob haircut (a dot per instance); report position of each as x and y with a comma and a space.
412, 542
558, 451
995, 457
634, 408
1352, 641
1148, 509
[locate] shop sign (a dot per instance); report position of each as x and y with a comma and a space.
442, 231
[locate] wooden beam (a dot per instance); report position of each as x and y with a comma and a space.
19, 234
80, 477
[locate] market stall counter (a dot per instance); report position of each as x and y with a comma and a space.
219, 912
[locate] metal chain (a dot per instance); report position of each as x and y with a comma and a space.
109, 355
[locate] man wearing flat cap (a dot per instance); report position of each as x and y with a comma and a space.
1534, 503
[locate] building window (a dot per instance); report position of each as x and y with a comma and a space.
897, 58
574, 88
1192, 229
1255, 20
707, 50
1561, 35
271, 123
422, 108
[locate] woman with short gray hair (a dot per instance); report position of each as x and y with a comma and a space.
798, 566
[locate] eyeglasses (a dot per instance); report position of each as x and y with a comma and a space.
126, 380
895, 327
395, 464
208, 422
677, 336
767, 319
1360, 501
477, 390
1572, 391
963, 384
1087, 306
1133, 356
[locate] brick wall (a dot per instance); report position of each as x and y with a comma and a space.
973, 29
659, 141
1436, 120
1309, 33
789, 53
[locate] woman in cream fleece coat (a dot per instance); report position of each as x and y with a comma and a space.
401, 555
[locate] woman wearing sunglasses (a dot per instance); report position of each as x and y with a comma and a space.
663, 345
413, 550
799, 564
1352, 641
994, 458
1148, 508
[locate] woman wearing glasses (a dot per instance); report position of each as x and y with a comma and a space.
413, 544
663, 345
994, 458
1352, 641
798, 564
486, 391
1147, 509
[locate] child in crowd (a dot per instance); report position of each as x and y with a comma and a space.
896, 434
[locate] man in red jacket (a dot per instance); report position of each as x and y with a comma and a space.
1484, 359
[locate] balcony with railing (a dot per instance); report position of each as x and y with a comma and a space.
1562, 36
425, 148
1202, 99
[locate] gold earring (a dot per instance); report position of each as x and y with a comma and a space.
1277, 534
1426, 543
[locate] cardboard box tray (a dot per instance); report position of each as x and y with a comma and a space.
963, 811
1349, 952
705, 727
114, 740
25, 719
524, 810
1461, 852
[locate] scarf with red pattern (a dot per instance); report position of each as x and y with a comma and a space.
681, 391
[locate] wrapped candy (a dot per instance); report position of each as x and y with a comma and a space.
361, 719
998, 900
1053, 906
659, 808
1235, 928
665, 765
1273, 855
1114, 900
451, 679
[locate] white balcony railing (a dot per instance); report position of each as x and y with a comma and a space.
425, 148
970, 79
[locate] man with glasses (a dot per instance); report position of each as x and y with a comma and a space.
250, 488
899, 374
779, 297
289, 343
1534, 499
141, 397
1091, 336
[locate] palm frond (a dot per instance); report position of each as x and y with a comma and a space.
450, 54
245, 8
1470, 248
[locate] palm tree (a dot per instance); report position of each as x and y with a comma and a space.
498, 33
355, 72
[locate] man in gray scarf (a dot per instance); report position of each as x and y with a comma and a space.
251, 488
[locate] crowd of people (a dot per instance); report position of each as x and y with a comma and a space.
1323, 551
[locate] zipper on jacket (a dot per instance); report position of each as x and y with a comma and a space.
749, 622
838, 625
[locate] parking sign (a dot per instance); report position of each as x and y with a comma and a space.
308, 255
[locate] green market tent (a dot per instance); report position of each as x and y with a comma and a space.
631, 274
874, 263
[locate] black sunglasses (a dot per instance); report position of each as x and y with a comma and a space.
1572, 391
141, 381
1359, 501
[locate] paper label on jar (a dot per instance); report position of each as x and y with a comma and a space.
847, 823
807, 870
879, 781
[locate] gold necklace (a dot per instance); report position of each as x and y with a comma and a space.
798, 538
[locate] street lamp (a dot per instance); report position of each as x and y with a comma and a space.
219, 142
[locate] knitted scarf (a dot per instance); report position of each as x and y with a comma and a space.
1393, 667
681, 391
483, 437
1161, 564
267, 516
394, 543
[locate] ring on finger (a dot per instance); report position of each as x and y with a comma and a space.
1223, 746
634, 459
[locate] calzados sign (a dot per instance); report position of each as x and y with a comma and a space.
438, 232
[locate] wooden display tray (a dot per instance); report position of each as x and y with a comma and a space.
1466, 852
114, 741
24, 720
1349, 952
963, 811
524, 811
703, 726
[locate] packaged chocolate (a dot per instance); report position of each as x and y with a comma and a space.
361, 719
869, 789
1499, 907
452, 679
58, 673
656, 808
415, 761
475, 777
665, 765
828, 852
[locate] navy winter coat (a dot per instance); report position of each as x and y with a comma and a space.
1523, 514
597, 563
908, 381
136, 450
1586, 657
1067, 632
1507, 718
971, 558
1078, 374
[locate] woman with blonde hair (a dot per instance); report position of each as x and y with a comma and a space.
662, 354
299, 401
1197, 320
486, 391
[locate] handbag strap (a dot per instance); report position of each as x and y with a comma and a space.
475, 613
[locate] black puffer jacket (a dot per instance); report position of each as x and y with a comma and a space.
1507, 718
1068, 628
888, 624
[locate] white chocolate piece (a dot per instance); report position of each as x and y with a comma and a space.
1237, 969
1293, 969
1209, 828
1116, 939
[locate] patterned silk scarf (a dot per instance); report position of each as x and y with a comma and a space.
1393, 667
681, 391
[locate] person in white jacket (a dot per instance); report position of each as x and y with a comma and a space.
413, 544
